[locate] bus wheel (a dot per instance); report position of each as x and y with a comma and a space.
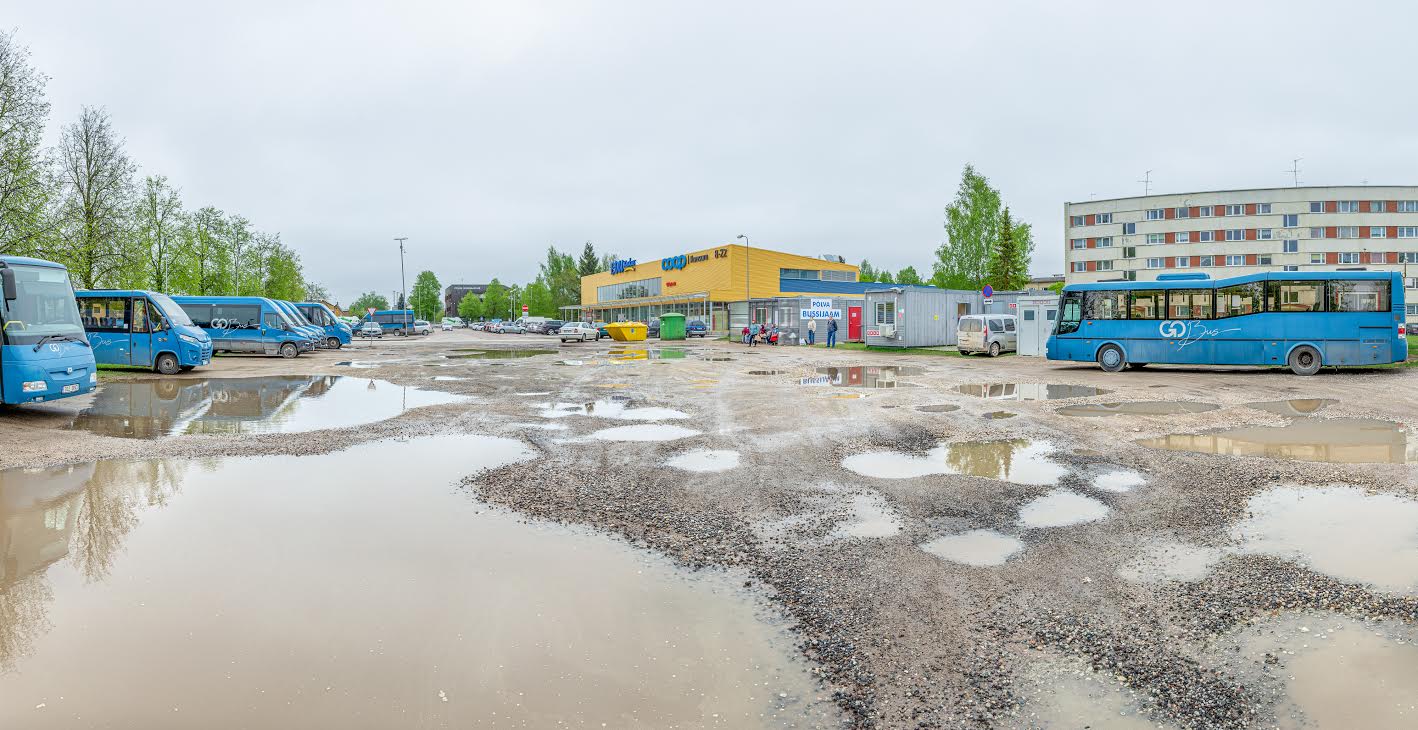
334, 343
1304, 360
1111, 359
288, 350
167, 364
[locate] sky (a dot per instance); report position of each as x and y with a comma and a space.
486, 131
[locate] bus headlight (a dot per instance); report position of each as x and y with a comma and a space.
35, 386
93, 378
193, 341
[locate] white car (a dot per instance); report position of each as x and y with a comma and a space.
371, 329
447, 327
579, 331
422, 327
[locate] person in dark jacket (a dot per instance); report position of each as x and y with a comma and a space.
832, 332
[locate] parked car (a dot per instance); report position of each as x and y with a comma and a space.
371, 329
652, 328
447, 326
601, 328
579, 331
549, 327
422, 327
511, 328
696, 328
988, 333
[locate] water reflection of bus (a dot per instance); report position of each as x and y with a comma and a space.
1300, 320
145, 408
37, 513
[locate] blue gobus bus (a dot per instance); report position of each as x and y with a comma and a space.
337, 333
142, 328
1300, 320
246, 324
43, 352
315, 334
398, 321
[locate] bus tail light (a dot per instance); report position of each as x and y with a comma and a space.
1402, 330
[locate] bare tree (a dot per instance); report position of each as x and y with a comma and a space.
159, 223
23, 113
97, 180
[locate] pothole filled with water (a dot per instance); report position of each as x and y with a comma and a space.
1019, 460
1029, 391
766, 372
1061, 508
866, 376
360, 589
624, 354
1119, 480
938, 408
1293, 407
1338, 440
154, 408
998, 415
869, 516
644, 432
980, 548
1138, 408
705, 461
1341, 531
498, 354
614, 408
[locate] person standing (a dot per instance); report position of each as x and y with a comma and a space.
832, 332
811, 332
745, 335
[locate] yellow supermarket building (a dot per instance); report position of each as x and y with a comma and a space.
718, 285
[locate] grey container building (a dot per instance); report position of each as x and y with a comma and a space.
924, 316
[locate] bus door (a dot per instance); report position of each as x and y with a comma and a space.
140, 336
106, 322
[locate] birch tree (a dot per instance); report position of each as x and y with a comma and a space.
96, 179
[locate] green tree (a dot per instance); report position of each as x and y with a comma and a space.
159, 229
496, 300
589, 263
537, 297
96, 204
562, 277
366, 301
284, 278
24, 191
202, 267
865, 272
909, 276
1056, 287
470, 307
427, 296
1009, 263
884, 276
971, 229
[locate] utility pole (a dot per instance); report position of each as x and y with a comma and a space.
1295, 170
1146, 183
402, 290
747, 301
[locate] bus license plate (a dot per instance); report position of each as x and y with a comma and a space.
71, 388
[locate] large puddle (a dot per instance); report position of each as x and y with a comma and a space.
1341, 531
1029, 391
624, 354
1340, 440
868, 376
359, 589
614, 408
498, 354
705, 461
1138, 408
1061, 508
980, 548
153, 408
1293, 407
644, 432
1018, 460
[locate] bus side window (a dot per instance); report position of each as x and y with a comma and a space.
140, 316
1072, 314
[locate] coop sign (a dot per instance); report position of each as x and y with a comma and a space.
681, 261
622, 265
819, 309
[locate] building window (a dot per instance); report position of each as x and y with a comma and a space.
1076, 220
1080, 243
1101, 218
886, 312
629, 290
1205, 236
1378, 232
1204, 261
1290, 246
811, 274
1348, 231
1316, 232
1129, 252
1105, 242
1156, 214
1105, 265
1408, 257
1263, 260
1264, 234
1235, 234
1156, 238
1349, 257
1408, 231
1235, 260
1316, 258
1376, 206
1205, 211
1262, 208
1291, 220
1316, 206
1408, 206
1184, 262
829, 275
1348, 206
1129, 229
1291, 267
1079, 266
1183, 237
1184, 212
1156, 263
1235, 210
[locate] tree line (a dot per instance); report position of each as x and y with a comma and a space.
84, 204
984, 244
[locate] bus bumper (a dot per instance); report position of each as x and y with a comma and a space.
40, 381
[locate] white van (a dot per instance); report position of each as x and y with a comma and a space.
988, 333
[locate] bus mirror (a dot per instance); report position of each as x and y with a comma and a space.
7, 275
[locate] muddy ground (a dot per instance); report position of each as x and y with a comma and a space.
898, 636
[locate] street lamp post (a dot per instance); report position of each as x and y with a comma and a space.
404, 294
747, 299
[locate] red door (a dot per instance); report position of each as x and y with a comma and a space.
854, 324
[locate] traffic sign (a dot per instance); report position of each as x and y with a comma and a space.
988, 291
370, 310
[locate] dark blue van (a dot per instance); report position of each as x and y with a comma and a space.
246, 324
142, 329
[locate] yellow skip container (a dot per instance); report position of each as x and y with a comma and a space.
627, 331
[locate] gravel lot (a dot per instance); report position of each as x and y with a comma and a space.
899, 636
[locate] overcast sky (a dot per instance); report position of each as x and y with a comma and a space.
486, 131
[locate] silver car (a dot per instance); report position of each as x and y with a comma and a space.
988, 333
579, 331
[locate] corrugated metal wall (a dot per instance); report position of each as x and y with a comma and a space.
927, 317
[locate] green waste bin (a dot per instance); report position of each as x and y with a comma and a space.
672, 326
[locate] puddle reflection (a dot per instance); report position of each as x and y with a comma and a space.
1337, 440
1018, 460
868, 376
1138, 408
1028, 391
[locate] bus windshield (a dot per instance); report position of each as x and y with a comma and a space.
174, 313
45, 306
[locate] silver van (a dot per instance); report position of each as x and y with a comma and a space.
990, 333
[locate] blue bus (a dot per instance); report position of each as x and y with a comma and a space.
143, 329
398, 321
1299, 320
337, 333
316, 334
43, 352
246, 324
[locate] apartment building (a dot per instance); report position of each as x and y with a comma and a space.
1234, 232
